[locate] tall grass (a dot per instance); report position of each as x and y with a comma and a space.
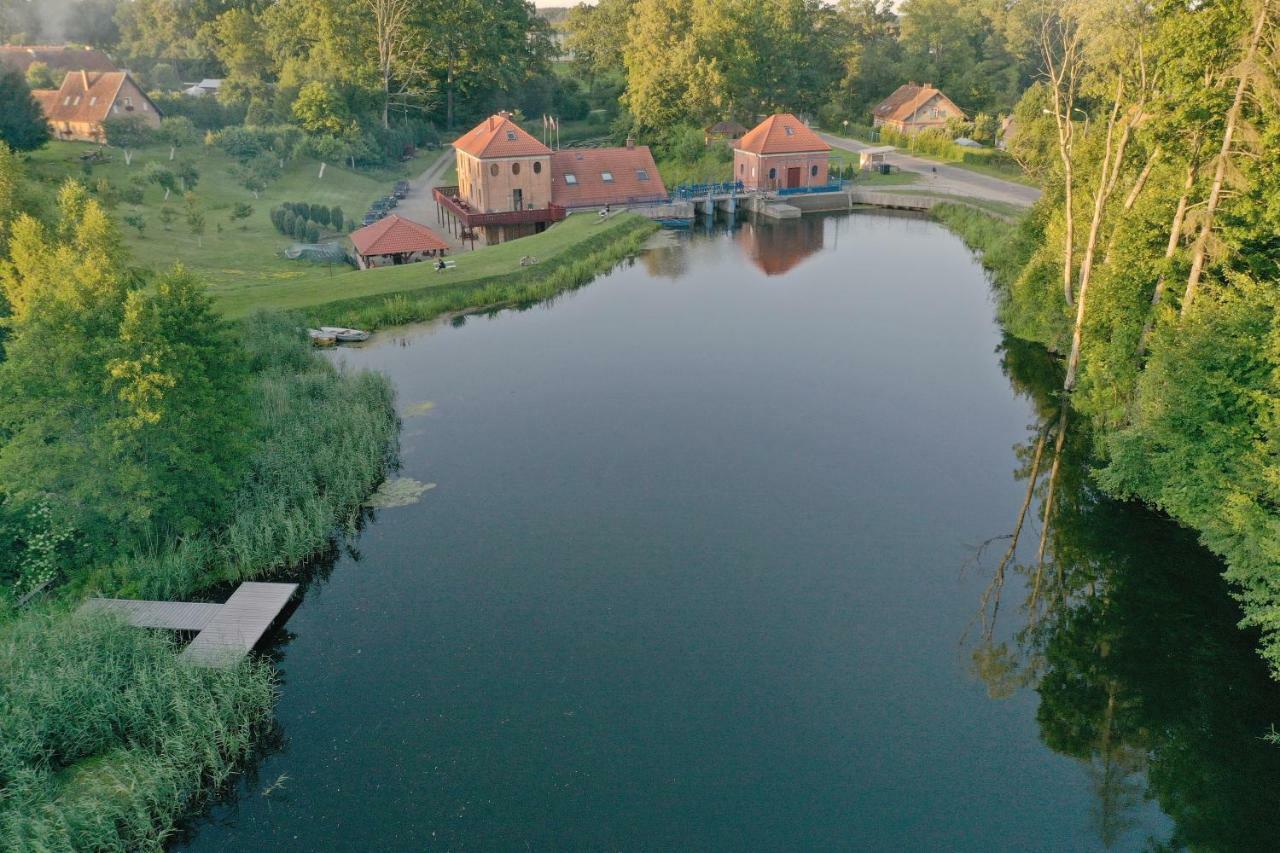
106, 738
568, 270
325, 439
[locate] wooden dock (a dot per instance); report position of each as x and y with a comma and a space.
227, 631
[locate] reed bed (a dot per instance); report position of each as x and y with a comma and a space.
106, 738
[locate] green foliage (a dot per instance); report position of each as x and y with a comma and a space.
108, 738
312, 233
167, 215
164, 77
40, 77
336, 218
113, 388
127, 132
240, 211
22, 123
137, 222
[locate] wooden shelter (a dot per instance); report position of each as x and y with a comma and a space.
395, 240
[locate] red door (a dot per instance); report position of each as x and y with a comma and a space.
793, 177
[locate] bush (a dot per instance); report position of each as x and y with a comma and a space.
289, 223
335, 218
319, 214
300, 228
312, 233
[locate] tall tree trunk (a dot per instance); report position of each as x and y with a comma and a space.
1105, 186
1224, 154
1175, 237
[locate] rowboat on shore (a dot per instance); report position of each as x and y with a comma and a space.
346, 336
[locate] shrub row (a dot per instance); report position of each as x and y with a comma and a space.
303, 221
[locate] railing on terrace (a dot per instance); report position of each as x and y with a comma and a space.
469, 216
614, 201
687, 192
830, 187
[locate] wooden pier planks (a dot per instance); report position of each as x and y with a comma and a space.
227, 632
174, 615
239, 624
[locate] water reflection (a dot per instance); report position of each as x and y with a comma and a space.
1128, 634
777, 248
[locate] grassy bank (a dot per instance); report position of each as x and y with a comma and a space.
482, 277
106, 739
226, 253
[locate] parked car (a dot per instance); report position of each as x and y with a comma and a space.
401, 190
369, 219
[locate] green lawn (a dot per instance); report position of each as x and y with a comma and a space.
320, 286
228, 256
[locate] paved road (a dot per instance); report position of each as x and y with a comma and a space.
948, 180
420, 205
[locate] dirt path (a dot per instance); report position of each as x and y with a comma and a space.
949, 180
419, 205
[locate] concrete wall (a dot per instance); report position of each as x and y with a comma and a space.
754, 169
493, 193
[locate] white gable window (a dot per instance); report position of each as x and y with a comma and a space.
607, 177
570, 178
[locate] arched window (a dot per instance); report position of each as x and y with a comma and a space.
537, 167
773, 174
813, 171
515, 168
742, 168
493, 170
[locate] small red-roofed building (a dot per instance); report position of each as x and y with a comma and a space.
395, 240
781, 152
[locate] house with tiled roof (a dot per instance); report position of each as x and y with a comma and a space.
86, 99
781, 152
395, 240
595, 177
511, 185
913, 108
60, 59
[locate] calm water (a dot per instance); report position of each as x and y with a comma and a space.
704, 569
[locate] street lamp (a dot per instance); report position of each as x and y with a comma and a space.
1050, 112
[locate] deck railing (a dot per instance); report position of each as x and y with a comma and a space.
448, 198
688, 192
829, 187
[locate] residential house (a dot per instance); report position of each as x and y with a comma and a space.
511, 185
86, 99
395, 240
724, 131
781, 153
59, 59
207, 86
913, 108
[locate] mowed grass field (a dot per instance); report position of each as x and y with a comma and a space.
228, 255
323, 286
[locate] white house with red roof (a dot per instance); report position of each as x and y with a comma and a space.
396, 240
780, 152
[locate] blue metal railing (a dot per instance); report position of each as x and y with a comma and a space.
829, 187
686, 192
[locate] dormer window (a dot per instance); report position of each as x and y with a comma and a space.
76, 102
93, 100
511, 135
607, 177
570, 178
66, 102
791, 131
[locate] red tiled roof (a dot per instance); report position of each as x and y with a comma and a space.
782, 133
57, 57
76, 102
906, 99
625, 166
46, 98
499, 136
395, 234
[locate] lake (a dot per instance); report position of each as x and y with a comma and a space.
707, 563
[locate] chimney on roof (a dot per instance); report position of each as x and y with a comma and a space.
84, 77
631, 142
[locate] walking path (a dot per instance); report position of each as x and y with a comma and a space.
420, 206
949, 180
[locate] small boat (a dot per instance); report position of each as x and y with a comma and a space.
676, 223
346, 336
321, 338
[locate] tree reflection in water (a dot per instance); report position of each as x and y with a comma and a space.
1129, 635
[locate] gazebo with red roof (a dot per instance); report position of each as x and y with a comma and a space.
781, 152
396, 240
